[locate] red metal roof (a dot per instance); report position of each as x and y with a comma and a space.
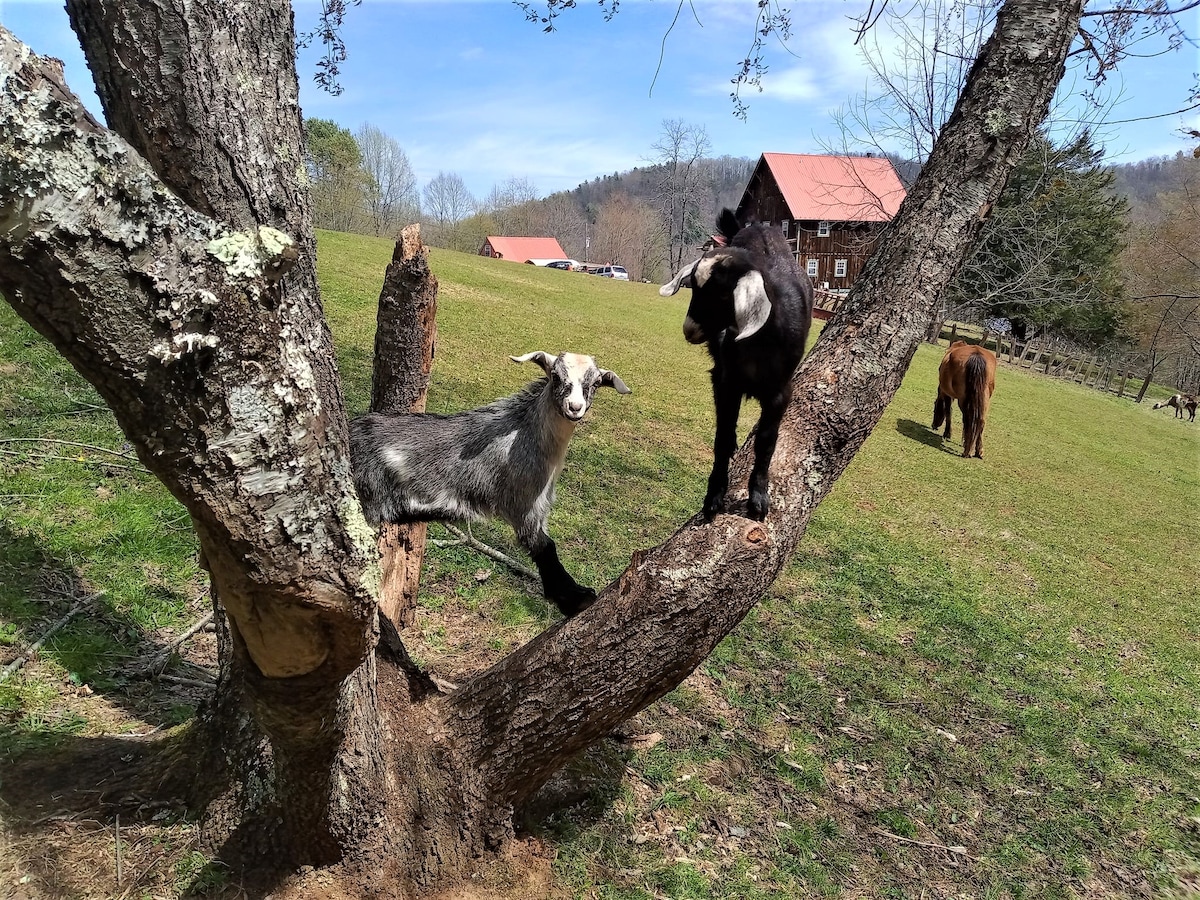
519, 249
837, 188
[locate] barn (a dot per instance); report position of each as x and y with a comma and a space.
830, 209
520, 249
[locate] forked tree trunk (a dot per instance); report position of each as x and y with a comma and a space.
222, 377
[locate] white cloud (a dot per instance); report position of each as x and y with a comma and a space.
792, 85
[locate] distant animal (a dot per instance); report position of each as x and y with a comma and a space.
967, 374
501, 460
752, 306
1181, 402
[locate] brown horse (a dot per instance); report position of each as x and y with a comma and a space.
967, 374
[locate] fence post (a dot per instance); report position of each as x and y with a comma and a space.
1037, 355
1087, 370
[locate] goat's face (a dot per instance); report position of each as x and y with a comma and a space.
727, 292
573, 380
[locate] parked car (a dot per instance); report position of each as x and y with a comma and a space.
560, 264
617, 272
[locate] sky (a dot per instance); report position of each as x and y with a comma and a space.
470, 87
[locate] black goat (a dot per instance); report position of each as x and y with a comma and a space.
753, 307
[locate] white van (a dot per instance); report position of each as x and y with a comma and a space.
617, 272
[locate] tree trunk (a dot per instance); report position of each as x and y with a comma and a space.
211, 348
405, 337
221, 374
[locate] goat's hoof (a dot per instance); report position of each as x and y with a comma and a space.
712, 506
575, 601
758, 507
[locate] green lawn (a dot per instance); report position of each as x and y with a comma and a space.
976, 678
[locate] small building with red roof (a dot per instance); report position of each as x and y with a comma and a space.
522, 249
830, 209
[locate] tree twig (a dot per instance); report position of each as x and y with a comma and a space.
159, 661
955, 849
191, 682
469, 540
20, 661
74, 459
44, 440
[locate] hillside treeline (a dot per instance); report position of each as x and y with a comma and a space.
1100, 256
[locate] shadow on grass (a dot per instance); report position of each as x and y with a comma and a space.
94, 647
580, 794
915, 431
98, 778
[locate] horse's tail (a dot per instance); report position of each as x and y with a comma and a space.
974, 401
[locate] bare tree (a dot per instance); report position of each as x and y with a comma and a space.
391, 194
447, 202
630, 233
1162, 268
168, 279
681, 188
917, 57
559, 216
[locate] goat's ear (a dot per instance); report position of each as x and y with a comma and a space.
613, 380
683, 279
543, 359
751, 306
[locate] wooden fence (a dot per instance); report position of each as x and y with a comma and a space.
826, 303
1117, 372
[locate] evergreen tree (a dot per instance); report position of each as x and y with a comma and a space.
333, 161
1049, 256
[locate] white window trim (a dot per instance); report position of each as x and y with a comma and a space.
839, 268
784, 226
812, 268
822, 229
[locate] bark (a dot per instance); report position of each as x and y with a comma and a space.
221, 374
219, 370
405, 337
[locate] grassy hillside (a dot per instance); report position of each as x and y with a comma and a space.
976, 678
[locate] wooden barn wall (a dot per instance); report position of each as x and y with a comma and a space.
763, 202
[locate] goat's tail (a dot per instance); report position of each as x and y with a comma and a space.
974, 401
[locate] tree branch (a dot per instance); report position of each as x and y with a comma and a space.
649, 629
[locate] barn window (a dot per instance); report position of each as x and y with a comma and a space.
839, 268
822, 229
812, 268
784, 226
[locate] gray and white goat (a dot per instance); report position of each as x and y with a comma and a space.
499, 461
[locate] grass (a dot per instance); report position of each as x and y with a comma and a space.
976, 678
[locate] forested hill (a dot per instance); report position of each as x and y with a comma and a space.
1141, 182
723, 180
